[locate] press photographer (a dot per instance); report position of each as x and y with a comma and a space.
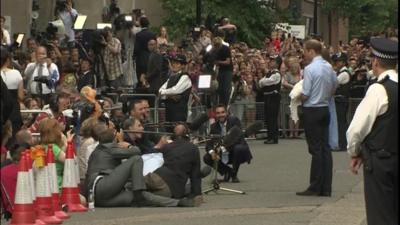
235, 153
67, 14
41, 76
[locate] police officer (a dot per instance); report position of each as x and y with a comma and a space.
342, 95
176, 91
372, 136
271, 87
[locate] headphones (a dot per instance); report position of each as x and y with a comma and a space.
53, 104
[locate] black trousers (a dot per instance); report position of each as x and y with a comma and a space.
342, 106
271, 113
238, 154
316, 127
224, 86
381, 187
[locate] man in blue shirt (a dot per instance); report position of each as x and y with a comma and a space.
318, 87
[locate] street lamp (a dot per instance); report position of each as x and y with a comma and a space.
198, 12
315, 16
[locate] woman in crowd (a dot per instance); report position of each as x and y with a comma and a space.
9, 175
112, 58
163, 37
6, 134
58, 103
51, 134
289, 79
68, 75
13, 80
86, 141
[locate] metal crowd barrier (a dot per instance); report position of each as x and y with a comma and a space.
32, 110
248, 113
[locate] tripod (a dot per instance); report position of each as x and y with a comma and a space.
215, 183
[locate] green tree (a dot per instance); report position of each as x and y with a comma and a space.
254, 18
365, 16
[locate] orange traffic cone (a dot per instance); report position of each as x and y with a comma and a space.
51, 166
70, 191
32, 183
44, 204
23, 213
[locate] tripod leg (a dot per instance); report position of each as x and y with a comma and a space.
232, 190
209, 190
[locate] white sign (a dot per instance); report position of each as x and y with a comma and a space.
298, 31
282, 26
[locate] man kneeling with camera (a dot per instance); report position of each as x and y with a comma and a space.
235, 153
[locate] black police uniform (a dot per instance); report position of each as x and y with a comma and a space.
272, 99
342, 95
380, 154
378, 147
176, 109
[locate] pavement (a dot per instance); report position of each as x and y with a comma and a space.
270, 182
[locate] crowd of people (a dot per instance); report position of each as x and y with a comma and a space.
66, 82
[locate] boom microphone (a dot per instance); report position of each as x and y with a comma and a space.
253, 128
232, 136
198, 121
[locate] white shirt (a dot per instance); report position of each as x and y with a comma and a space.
90, 149
374, 104
31, 72
183, 84
275, 78
66, 18
12, 78
6, 38
344, 76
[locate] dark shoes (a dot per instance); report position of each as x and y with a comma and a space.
313, 193
139, 200
271, 141
307, 193
235, 180
227, 177
325, 194
186, 202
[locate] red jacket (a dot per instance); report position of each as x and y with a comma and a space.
8, 176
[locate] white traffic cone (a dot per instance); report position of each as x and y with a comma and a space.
70, 190
32, 183
55, 194
23, 212
44, 202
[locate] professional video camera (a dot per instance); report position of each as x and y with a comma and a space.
61, 5
44, 80
123, 22
45, 38
81, 110
114, 9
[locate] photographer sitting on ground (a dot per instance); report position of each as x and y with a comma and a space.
110, 176
181, 163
